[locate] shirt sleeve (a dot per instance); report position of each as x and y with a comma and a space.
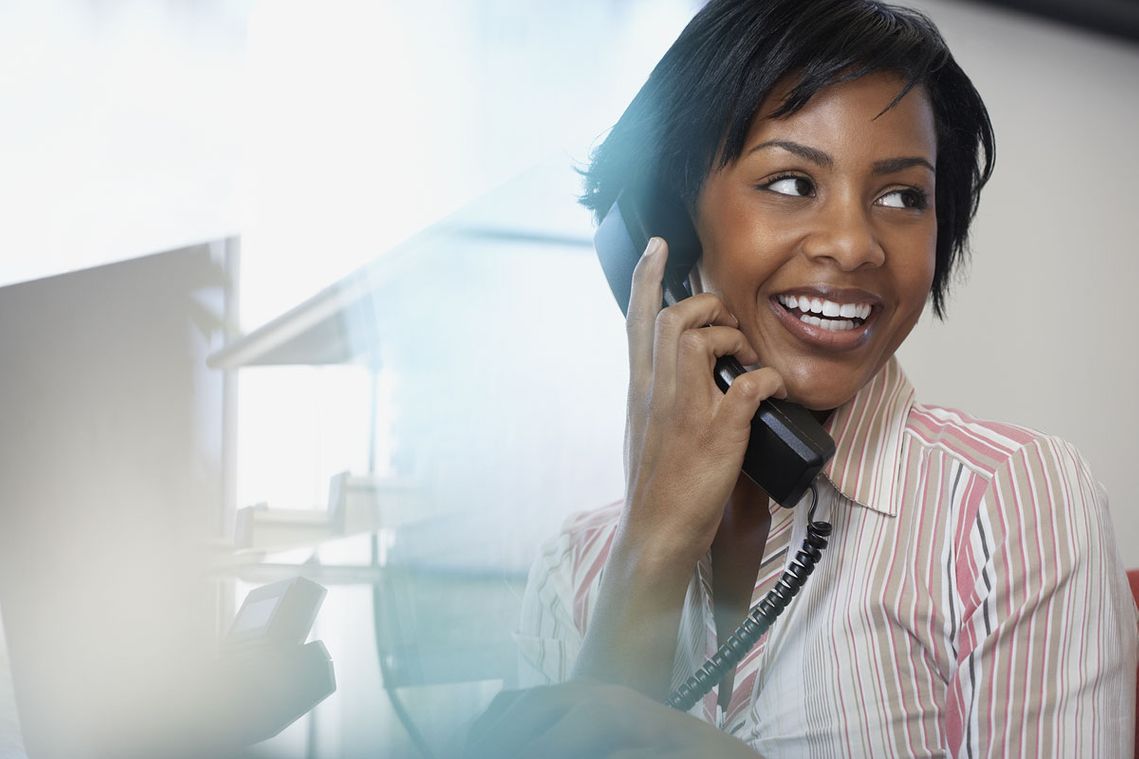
1046, 650
547, 637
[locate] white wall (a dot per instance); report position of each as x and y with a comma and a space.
1042, 331
121, 129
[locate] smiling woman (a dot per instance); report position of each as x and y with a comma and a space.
830, 155
820, 238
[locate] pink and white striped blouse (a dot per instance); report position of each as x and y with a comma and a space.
971, 603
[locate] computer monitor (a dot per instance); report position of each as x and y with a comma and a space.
111, 436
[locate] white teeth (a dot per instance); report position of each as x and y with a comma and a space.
834, 325
826, 308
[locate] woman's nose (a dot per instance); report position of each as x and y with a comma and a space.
844, 233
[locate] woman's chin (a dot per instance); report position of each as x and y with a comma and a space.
818, 396
813, 390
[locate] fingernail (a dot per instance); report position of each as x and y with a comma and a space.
653, 247
734, 319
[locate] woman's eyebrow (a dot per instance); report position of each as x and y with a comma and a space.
818, 157
813, 155
890, 165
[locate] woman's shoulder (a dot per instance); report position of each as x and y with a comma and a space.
1027, 514
989, 448
1013, 483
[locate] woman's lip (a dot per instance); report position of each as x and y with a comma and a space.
819, 337
836, 294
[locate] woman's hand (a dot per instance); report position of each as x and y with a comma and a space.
583, 719
684, 445
684, 438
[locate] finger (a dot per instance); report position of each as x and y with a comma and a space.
515, 717
502, 703
644, 303
700, 310
701, 347
744, 396
614, 720
487, 723
698, 350
606, 722
691, 313
583, 731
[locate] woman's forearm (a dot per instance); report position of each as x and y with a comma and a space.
632, 632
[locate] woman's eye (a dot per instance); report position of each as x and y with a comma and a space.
790, 185
910, 198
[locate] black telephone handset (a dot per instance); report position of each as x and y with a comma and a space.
788, 446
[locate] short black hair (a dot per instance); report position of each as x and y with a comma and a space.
702, 97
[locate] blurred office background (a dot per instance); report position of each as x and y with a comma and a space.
391, 312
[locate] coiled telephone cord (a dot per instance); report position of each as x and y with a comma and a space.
761, 616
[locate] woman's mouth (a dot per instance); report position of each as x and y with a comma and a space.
822, 322
824, 313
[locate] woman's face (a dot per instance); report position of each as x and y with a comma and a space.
821, 237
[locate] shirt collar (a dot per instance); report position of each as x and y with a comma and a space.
867, 432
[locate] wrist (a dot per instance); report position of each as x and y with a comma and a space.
661, 547
653, 561
631, 635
